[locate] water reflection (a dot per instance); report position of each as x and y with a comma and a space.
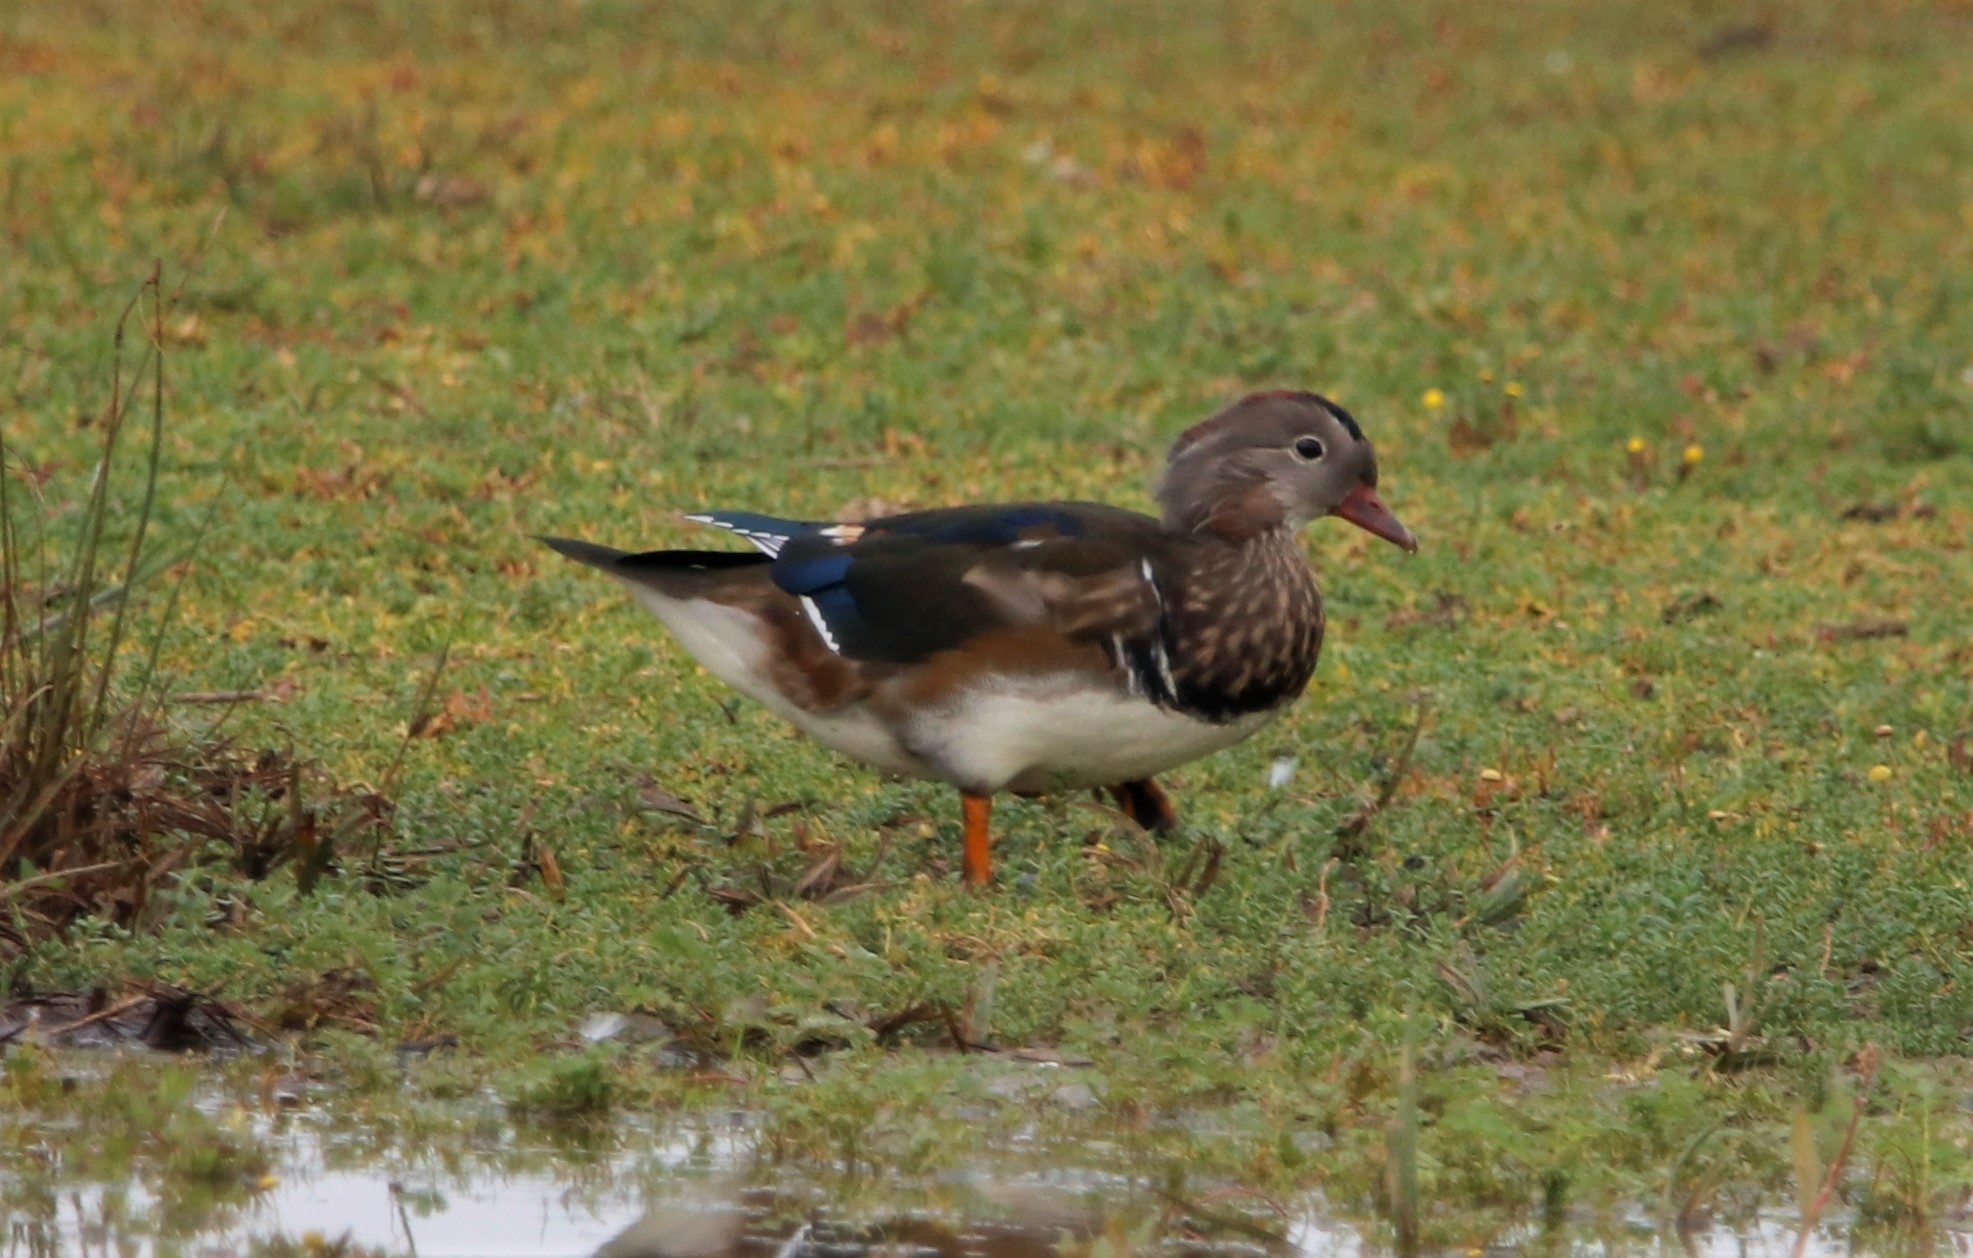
472, 1182
489, 1188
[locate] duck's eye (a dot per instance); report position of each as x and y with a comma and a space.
1308, 448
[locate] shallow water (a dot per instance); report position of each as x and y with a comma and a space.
468, 1181
655, 1196
479, 1215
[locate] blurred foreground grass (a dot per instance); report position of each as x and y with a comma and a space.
1658, 314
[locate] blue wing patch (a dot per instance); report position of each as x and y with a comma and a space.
812, 573
894, 589
818, 580
986, 527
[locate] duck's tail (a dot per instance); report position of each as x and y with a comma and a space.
674, 573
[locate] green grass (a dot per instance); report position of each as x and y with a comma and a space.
572, 269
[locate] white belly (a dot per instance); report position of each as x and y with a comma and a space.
1037, 734
1040, 735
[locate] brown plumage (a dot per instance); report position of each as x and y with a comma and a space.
1038, 646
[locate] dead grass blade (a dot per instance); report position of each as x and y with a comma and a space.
1403, 1151
1867, 1062
1351, 832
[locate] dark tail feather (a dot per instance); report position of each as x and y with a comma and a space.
604, 557
677, 572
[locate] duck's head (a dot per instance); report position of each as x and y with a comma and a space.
1275, 460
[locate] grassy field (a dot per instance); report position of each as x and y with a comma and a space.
1661, 317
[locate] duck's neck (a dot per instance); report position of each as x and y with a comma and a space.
1245, 628
1240, 514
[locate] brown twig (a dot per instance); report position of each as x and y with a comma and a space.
795, 919
951, 1019
1867, 1070
1254, 1194
1864, 630
13, 889
1322, 892
850, 460
192, 268
1400, 769
439, 976
101, 1015
420, 714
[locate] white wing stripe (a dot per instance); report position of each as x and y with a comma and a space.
770, 544
814, 615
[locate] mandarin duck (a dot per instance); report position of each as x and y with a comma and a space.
1036, 646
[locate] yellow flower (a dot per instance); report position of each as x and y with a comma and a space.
1486, 375
1636, 445
1694, 453
1490, 775
1514, 388
1879, 773
1433, 399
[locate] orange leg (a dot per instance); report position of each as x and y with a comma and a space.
1146, 803
977, 808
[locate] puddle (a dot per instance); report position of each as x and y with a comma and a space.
687, 1213
213, 1178
656, 1196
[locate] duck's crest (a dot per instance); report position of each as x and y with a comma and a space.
1205, 428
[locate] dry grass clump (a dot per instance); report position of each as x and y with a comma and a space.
102, 797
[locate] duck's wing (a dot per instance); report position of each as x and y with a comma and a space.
904, 588
768, 533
